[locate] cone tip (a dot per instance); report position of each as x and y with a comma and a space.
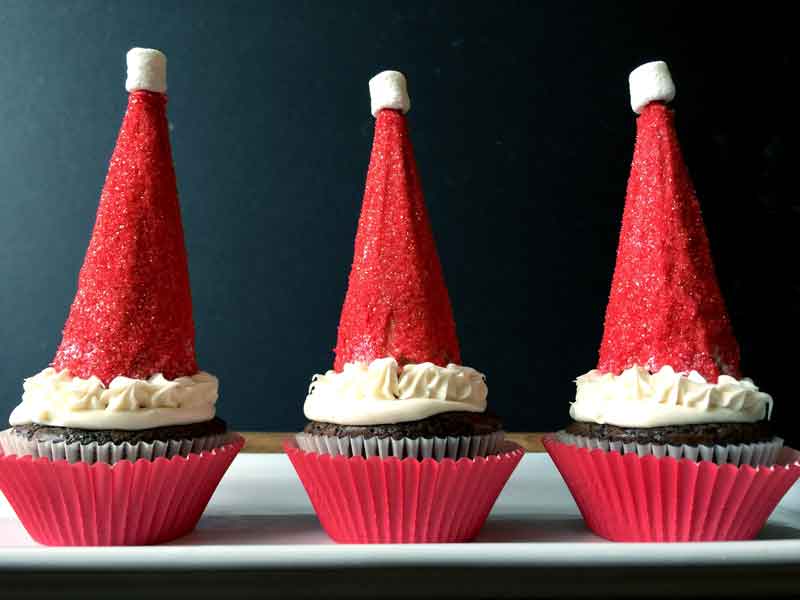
388, 89
147, 70
650, 82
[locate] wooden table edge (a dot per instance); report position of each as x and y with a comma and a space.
260, 442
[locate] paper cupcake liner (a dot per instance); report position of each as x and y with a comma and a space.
632, 498
125, 504
390, 500
437, 448
755, 454
109, 453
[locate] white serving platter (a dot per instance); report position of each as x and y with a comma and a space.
259, 533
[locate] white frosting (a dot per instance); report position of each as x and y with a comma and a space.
637, 398
147, 70
57, 398
650, 82
388, 90
381, 392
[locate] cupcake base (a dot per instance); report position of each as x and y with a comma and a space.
34, 432
388, 500
125, 504
755, 454
448, 424
90, 446
632, 498
703, 434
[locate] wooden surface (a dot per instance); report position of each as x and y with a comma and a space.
266, 443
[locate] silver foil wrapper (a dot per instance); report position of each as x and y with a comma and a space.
420, 448
755, 454
109, 453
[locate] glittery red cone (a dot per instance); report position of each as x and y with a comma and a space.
397, 302
665, 306
132, 314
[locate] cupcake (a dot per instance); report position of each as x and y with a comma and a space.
400, 446
668, 441
117, 442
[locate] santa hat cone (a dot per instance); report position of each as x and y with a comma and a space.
132, 314
665, 306
397, 303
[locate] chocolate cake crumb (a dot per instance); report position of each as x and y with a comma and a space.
70, 435
442, 425
705, 434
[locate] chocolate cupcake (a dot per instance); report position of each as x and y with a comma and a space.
669, 411
47, 434
123, 415
700, 434
666, 434
398, 424
70, 417
453, 424
397, 421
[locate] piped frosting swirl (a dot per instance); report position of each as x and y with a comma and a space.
382, 392
638, 398
57, 398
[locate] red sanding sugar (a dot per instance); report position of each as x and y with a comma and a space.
397, 302
665, 306
132, 314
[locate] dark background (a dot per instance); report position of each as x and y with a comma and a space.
523, 134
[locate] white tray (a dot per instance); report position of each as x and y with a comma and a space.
259, 533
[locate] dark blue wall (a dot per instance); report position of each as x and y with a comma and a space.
523, 134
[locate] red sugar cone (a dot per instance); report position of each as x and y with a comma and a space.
665, 306
397, 302
132, 314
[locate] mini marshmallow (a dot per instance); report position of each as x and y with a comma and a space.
650, 82
147, 70
388, 90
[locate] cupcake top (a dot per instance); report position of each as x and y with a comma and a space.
127, 357
668, 354
397, 352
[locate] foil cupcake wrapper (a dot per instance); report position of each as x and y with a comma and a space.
400, 501
110, 453
632, 498
756, 454
437, 448
126, 504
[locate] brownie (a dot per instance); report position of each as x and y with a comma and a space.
48, 433
706, 434
442, 425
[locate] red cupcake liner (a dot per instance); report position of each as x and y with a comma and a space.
628, 498
402, 501
125, 504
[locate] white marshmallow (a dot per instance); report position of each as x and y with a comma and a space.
147, 70
650, 82
388, 90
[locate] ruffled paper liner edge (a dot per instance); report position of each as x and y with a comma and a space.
754, 454
110, 453
632, 498
125, 504
362, 500
437, 448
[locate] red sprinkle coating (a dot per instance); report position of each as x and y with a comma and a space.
665, 306
132, 314
397, 302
